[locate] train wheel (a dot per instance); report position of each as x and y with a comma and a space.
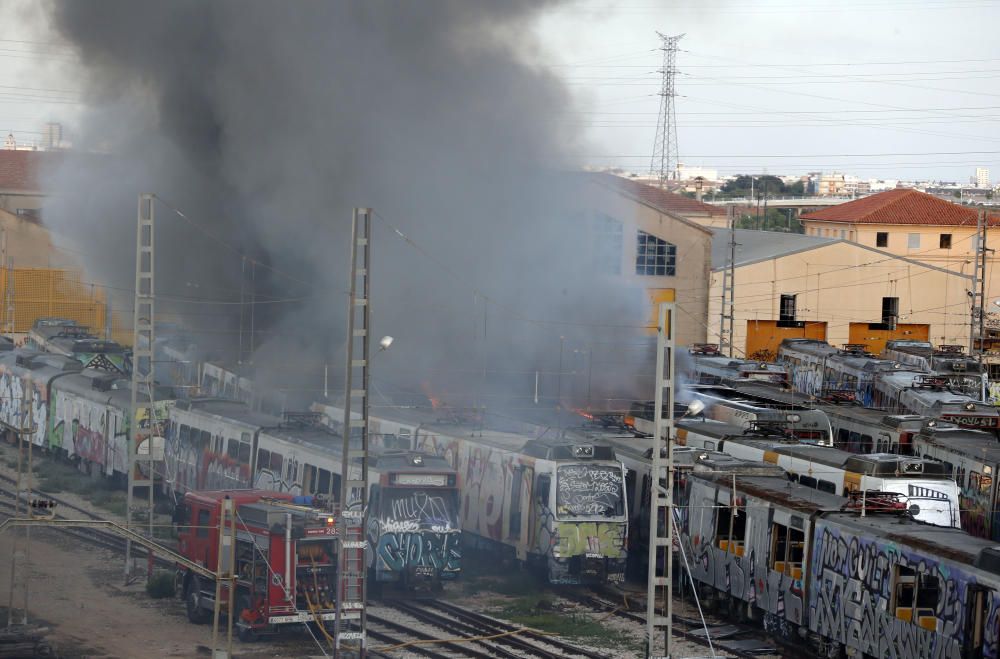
244, 631
192, 597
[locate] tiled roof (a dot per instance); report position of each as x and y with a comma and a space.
899, 206
668, 202
21, 170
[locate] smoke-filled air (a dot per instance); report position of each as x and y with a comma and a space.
265, 123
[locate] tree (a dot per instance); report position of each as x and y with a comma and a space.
761, 185
774, 220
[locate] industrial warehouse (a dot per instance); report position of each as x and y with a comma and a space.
567, 329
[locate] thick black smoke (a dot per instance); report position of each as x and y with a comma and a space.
266, 122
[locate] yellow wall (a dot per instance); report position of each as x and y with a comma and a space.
843, 283
764, 336
874, 340
40, 292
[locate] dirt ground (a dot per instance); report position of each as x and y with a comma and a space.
77, 591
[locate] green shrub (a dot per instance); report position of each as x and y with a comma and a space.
161, 585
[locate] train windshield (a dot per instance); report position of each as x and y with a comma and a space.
421, 508
590, 490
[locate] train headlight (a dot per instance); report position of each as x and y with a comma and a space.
793, 418
329, 521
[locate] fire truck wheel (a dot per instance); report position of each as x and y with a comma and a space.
195, 613
244, 631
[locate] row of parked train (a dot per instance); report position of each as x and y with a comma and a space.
787, 516
556, 502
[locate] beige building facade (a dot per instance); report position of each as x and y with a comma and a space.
789, 285
666, 256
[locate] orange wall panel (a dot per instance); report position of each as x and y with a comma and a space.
764, 336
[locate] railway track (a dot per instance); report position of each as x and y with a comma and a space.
97, 537
496, 637
741, 641
383, 627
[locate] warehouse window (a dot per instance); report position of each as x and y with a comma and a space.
787, 310
945, 242
608, 244
890, 311
913, 240
654, 256
882, 239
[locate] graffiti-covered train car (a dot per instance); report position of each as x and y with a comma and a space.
555, 503
898, 588
749, 546
89, 421
23, 372
814, 566
413, 498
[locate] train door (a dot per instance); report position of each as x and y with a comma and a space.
977, 606
542, 509
514, 517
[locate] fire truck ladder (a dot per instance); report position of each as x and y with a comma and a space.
351, 617
139, 504
659, 589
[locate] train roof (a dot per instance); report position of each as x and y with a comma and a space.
741, 396
780, 491
87, 344
99, 385
40, 365
229, 410
852, 410
909, 345
971, 443
947, 542
808, 346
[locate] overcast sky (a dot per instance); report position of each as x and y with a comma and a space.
879, 88
762, 79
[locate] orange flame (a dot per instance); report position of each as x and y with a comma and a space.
436, 402
584, 413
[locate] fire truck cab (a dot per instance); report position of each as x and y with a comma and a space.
286, 558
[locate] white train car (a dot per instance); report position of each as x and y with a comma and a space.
926, 485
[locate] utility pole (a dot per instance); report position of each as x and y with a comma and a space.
727, 304
20, 562
143, 384
10, 325
350, 633
977, 295
659, 585
665, 151
225, 571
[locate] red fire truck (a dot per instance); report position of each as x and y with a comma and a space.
286, 558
